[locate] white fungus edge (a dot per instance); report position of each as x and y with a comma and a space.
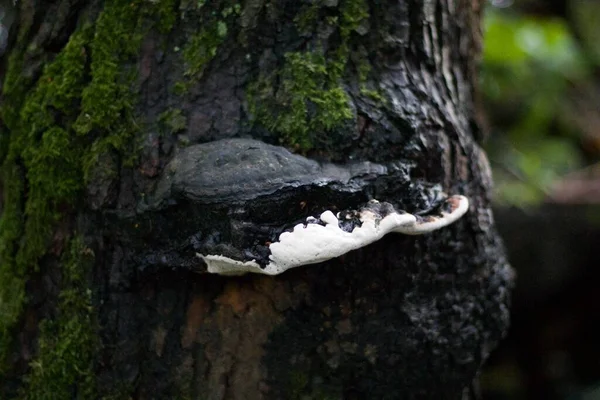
314, 243
228, 266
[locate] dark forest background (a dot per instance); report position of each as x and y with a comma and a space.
540, 96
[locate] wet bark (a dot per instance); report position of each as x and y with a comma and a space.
389, 82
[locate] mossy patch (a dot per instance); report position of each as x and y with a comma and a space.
64, 367
307, 18
305, 99
353, 14
203, 45
172, 121
363, 69
165, 12
309, 101
79, 108
49, 161
107, 101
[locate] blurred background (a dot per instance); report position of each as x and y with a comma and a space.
540, 96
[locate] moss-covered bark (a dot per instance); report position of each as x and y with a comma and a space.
60, 117
311, 78
98, 96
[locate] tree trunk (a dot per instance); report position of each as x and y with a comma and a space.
116, 172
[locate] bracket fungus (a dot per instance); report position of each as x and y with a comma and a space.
254, 207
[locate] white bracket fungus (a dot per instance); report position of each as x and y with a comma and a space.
330, 236
235, 203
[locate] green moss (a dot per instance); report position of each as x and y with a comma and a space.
202, 47
364, 70
49, 154
172, 121
305, 100
166, 14
63, 368
307, 18
180, 88
80, 107
107, 101
49, 158
307, 81
353, 14
14, 87
375, 95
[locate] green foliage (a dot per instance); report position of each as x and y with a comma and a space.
520, 42
529, 67
524, 173
63, 368
305, 99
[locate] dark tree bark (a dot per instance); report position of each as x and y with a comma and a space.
101, 293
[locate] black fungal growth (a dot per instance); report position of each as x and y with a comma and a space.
349, 220
237, 196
